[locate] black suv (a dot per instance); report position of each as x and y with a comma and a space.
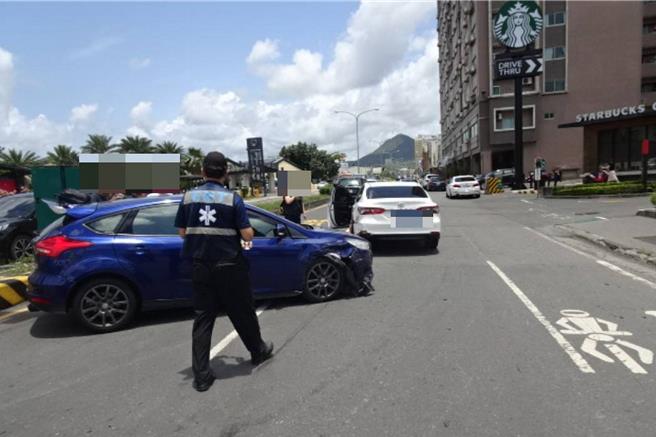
17, 225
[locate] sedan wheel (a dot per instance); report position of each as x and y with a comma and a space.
105, 305
21, 246
322, 281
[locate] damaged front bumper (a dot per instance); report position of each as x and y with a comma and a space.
356, 266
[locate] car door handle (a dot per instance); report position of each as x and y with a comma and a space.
139, 249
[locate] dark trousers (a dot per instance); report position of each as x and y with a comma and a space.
219, 287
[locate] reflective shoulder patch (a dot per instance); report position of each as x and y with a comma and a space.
209, 196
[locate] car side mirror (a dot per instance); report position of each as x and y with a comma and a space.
281, 231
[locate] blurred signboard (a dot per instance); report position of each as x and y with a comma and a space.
255, 159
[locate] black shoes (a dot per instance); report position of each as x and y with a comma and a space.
264, 354
204, 386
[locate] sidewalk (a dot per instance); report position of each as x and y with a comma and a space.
632, 236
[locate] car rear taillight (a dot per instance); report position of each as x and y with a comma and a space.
54, 246
370, 211
433, 209
456, 185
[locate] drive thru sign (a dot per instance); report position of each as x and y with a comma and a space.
511, 68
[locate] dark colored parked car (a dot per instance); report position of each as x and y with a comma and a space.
104, 262
436, 184
345, 192
17, 225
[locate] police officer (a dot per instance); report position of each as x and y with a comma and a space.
215, 227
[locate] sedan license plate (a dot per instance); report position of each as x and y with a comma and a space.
408, 218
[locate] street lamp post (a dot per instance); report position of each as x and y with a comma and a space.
357, 128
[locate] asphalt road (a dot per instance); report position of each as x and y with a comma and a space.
465, 342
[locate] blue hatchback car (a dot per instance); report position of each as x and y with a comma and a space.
104, 262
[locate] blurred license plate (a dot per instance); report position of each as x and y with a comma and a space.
409, 218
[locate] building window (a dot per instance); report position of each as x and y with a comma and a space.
555, 19
552, 53
548, 115
552, 86
649, 57
504, 118
649, 28
648, 85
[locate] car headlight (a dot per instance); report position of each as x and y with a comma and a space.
4, 226
359, 243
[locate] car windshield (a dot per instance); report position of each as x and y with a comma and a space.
395, 192
350, 182
464, 179
435, 179
16, 206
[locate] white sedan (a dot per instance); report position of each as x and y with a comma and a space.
460, 186
396, 211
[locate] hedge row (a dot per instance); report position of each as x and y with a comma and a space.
309, 201
603, 188
653, 199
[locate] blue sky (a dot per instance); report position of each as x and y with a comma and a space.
179, 57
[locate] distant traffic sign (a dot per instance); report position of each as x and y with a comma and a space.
510, 68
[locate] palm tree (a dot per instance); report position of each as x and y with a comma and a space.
193, 161
169, 147
63, 155
19, 158
98, 144
135, 144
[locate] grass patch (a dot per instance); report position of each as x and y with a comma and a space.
22, 267
309, 201
653, 199
603, 188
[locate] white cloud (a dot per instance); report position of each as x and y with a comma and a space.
376, 41
140, 113
139, 63
83, 112
263, 51
95, 47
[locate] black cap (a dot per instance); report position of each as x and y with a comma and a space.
215, 161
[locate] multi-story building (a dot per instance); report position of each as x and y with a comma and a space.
593, 104
427, 149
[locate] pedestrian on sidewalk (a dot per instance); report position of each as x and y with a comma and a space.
612, 174
215, 227
292, 208
557, 177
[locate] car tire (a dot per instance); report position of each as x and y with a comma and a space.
323, 281
104, 305
477, 196
447, 194
432, 242
20, 246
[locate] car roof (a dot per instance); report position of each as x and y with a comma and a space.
464, 176
393, 184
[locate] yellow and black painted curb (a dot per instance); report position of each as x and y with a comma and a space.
12, 291
493, 186
529, 191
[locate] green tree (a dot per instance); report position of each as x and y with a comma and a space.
63, 155
135, 144
98, 144
192, 161
169, 147
310, 157
20, 158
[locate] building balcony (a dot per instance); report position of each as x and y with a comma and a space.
649, 70
649, 40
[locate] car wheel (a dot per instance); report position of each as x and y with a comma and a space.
448, 196
105, 305
323, 281
20, 247
477, 196
432, 242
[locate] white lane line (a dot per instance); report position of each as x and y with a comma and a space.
580, 362
601, 218
601, 262
651, 313
525, 201
233, 334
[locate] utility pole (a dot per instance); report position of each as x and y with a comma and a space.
357, 128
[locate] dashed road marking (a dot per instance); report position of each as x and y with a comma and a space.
525, 201
601, 218
578, 359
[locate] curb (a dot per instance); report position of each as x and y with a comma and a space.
531, 191
649, 212
599, 196
12, 291
629, 252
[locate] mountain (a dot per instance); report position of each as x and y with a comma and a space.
399, 148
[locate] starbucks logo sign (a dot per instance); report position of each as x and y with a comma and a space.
518, 23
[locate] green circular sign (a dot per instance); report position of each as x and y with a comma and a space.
518, 23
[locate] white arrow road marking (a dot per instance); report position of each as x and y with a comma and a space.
578, 359
651, 313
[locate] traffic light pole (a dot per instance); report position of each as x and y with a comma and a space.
519, 136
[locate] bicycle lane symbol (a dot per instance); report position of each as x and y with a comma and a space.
599, 334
